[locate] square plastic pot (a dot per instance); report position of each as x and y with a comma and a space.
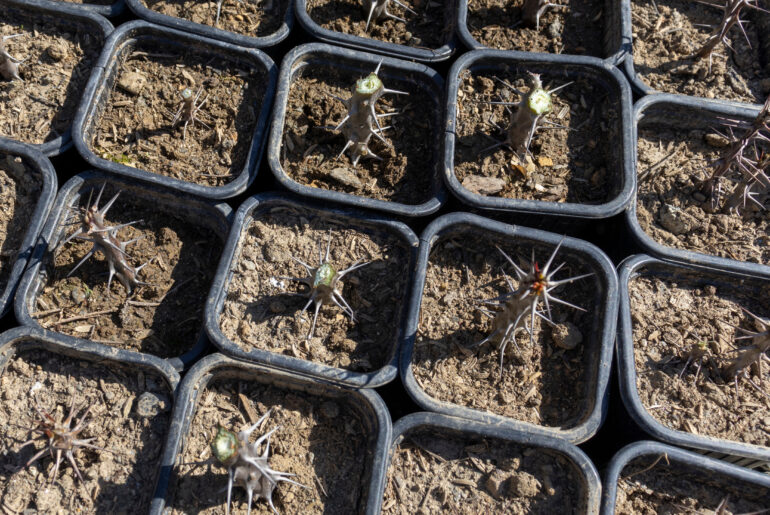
747, 454
602, 73
214, 216
22, 339
680, 112
120, 44
714, 472
625, 58
262, 204
453, 427
139, 8
598, 345
112, 10
393, 70
68, 15
365, 403
611, 14
38, 162
427, 55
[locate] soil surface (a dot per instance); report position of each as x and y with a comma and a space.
432, 473
163, 317
263, 308
541, 382
566, 165
322, 441
248, 17
667, 38
669, 319
670, 487
310, 149
20, 187
432, 27
58, 57
672, 209
573, 28
137, 127
132, 437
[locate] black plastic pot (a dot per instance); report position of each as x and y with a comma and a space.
23, 339
393, 71
712, 472
687, 113
601, 73
445, 426
262, 204
215, 217
610, 15
112, 10
747, 454
48, 183
68, 16
626, 55
598, 345
120, 44
428, 55
142, 11
365, 403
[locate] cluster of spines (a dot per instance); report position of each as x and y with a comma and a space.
9, 66
378, 9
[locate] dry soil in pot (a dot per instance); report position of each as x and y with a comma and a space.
671, 207
572, 29
163, 317
670, 316
137, 125
568, 164
58, 56
20, 188
263, 310
666, 36
431, 28
309, 151
253, 19
321, 441
543, 382
651, 484
432, 473
123, 474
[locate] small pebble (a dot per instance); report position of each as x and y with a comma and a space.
566, 335
77, 295
56, 52
149, 404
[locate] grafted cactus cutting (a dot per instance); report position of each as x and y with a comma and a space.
104, 237
512, 308
188, 110
362, 120
246, 466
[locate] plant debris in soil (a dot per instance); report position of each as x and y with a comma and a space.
247, 17
163, 317
543, 383
669, 317
432, 473
673, 211
567, 165
137, 126
310, 150
58, 55
129, 418
430, 29
652, 484
263, 309
20, 188
322, 441
667, 33
569, 29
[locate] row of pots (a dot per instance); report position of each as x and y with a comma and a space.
666, 111
405, 265
616, 26
183, 481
